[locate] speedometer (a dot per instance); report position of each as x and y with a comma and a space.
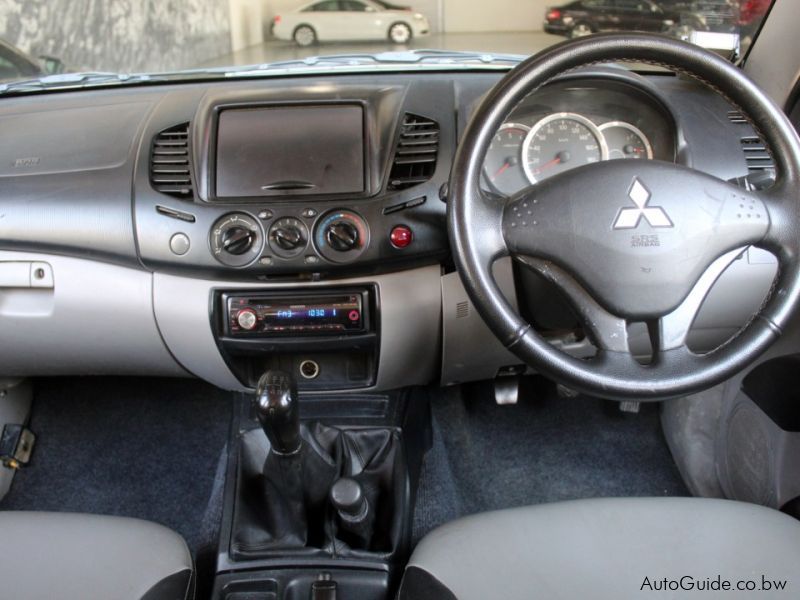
560, 142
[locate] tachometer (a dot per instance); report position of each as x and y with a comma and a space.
560, 142
502, 167
626, 141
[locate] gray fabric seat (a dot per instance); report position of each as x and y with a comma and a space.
76, 556
613, 548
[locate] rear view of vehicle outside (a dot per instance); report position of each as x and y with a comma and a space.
48, 44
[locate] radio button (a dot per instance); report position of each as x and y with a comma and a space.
247, 319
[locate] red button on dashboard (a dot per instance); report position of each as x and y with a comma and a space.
401, 236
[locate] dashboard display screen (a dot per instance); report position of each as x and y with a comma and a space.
290, 151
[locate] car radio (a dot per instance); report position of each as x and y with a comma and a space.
255, 315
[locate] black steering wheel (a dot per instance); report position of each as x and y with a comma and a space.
629, 241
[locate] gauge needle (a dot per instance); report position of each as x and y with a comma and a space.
548, 164
510, 162
501, 170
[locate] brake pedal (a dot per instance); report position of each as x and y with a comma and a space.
506, 388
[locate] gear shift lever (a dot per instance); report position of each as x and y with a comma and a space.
278, 411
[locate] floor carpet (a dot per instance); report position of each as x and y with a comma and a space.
543, 449
147, 448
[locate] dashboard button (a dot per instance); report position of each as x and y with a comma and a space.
247, 319
265, 215
179, 244
309, 213
401, 236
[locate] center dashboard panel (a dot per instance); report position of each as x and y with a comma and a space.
311, 182
301, 186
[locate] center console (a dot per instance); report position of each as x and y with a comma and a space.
327, 338
318, 499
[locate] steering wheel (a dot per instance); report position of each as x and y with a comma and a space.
629, 241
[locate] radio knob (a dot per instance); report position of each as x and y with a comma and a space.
247, 319
288, 238
342, 236
237, 240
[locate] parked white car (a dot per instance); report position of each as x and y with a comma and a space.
349, 20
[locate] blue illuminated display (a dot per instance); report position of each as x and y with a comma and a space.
311, 313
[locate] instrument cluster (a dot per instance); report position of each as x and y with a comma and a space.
578, 126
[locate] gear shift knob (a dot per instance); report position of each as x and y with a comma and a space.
278, 411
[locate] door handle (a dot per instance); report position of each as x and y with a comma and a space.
25, 274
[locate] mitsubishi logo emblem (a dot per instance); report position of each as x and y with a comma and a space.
629, 218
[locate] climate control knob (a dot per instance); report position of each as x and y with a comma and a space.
342, 236
288, 237
237, 240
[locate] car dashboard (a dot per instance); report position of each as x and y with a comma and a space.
218, 229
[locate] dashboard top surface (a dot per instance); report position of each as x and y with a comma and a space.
79, 177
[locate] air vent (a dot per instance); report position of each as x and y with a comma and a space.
415, 155
169, 162
756, 155
734, 116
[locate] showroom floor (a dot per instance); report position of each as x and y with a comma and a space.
525, 43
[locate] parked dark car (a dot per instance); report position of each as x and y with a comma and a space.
583, 17
705, 15
16, 64
677, 17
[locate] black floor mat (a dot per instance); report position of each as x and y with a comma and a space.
544, 449
147, 448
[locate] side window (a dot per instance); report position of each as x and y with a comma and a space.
327, 6
352, 5
598, 4
629, 5
8, 70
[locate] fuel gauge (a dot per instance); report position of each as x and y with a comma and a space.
626, 141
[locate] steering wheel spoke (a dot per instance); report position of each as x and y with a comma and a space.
780, 202
607, 331
672, 330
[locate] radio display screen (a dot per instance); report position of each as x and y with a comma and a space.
301, 315
290, 151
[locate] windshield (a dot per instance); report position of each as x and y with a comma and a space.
51, 43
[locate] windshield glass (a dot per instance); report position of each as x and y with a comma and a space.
51, 43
